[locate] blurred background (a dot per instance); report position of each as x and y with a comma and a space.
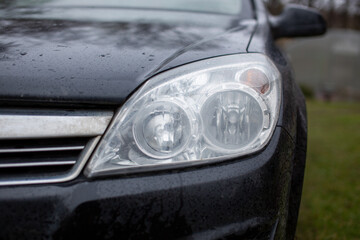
327, 69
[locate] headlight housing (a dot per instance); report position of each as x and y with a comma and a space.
209, 110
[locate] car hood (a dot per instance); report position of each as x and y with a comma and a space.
49, 59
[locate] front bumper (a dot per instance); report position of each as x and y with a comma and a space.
245, 197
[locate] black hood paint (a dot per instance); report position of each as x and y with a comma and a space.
97, 62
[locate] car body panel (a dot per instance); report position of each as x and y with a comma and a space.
101, 62
167, 205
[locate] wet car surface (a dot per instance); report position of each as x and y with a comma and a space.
87, 64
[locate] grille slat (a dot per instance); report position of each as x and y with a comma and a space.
45, 149
36, 164
18, 158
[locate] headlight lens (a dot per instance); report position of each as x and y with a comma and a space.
209, 110
162, 130
233, 119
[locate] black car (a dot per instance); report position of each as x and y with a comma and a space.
150, 120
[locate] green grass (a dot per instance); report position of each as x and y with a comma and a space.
330, 206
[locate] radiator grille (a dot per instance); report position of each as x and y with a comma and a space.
38, 147
38, 157
43, 160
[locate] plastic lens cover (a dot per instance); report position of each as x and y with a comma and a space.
209, 110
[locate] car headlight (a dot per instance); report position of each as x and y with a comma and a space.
213, 109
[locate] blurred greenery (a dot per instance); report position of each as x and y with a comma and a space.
330, 206
307, 91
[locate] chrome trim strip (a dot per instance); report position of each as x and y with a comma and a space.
49, 149
73, 173
36, 164
21, 126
